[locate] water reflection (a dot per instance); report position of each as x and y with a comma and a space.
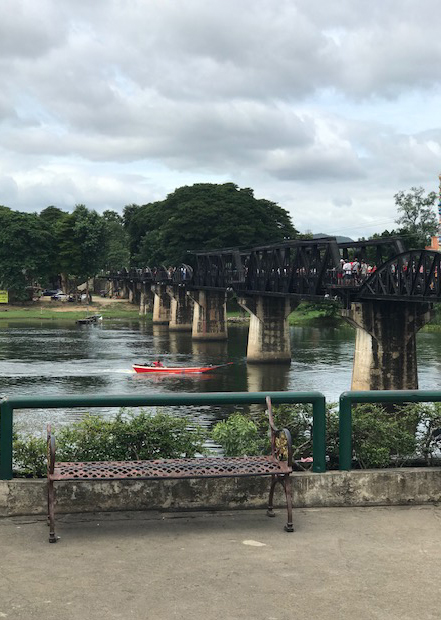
267, 377
209, 350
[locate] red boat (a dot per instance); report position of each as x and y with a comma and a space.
177, 370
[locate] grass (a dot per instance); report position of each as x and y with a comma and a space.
305, 314
63, 311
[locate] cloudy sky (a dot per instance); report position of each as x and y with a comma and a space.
327, 108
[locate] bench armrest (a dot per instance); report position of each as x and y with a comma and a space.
281, 442
50, 451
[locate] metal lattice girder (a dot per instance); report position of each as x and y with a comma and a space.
413, 275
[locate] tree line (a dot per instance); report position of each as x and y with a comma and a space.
55, 246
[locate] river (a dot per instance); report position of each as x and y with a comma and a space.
51, 358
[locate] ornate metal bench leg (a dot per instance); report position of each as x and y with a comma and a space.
51, 516
288, 493
270, 512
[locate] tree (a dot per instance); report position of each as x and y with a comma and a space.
89, 234
204, 216
51, 218
117, 253
416, 216
81, 242
24, 252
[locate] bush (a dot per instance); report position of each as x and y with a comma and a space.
238, 436
245, 434
127, 437
380, 438
30, 457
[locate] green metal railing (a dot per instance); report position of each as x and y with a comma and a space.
8, 405
347, 399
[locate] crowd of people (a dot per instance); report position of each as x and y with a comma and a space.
354, 272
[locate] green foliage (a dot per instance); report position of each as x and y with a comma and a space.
416, 215
238, 435
204, 216
116, 248
428, 434
319, 309
30, 456
382, 438
127, 437
249, 434
24, 255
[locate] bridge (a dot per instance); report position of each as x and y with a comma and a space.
387, 303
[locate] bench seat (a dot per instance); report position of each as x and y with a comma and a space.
204, 467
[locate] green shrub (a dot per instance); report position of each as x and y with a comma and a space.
380, 438
238, 436
30, 456
127, 437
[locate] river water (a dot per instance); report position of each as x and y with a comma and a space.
59, 358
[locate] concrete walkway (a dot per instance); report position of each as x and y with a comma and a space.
357, 563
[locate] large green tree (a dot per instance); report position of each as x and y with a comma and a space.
116, 252
416, 216
204, 216
81, 244
51, 218
24, 252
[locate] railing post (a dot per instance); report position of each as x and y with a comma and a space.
345, 433
5, 440
319, 435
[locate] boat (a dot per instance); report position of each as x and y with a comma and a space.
177, 370
90, 320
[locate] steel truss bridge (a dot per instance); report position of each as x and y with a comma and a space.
309, 269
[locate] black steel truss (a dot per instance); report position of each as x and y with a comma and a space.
309, 269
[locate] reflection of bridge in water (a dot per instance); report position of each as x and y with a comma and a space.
386, 304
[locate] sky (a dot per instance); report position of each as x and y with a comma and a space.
327, 108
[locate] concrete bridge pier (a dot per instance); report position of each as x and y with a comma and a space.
209, 315
146, 298
268, 336
161, 305
385, 343
125, 290
181, 309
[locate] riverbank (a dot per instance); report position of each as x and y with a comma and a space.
46, 309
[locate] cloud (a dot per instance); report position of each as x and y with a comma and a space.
327, 108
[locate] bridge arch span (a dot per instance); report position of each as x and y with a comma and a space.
413, 275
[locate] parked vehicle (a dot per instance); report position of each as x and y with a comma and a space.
60, 297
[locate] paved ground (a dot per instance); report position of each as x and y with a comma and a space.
340, 563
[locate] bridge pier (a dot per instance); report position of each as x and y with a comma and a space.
181, 309
161, 305
385, 343
132, 292
124, 289
145, 300
268, 336
209, 315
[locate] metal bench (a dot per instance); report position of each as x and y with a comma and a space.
278, 465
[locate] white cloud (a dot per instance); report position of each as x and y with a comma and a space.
327, 108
